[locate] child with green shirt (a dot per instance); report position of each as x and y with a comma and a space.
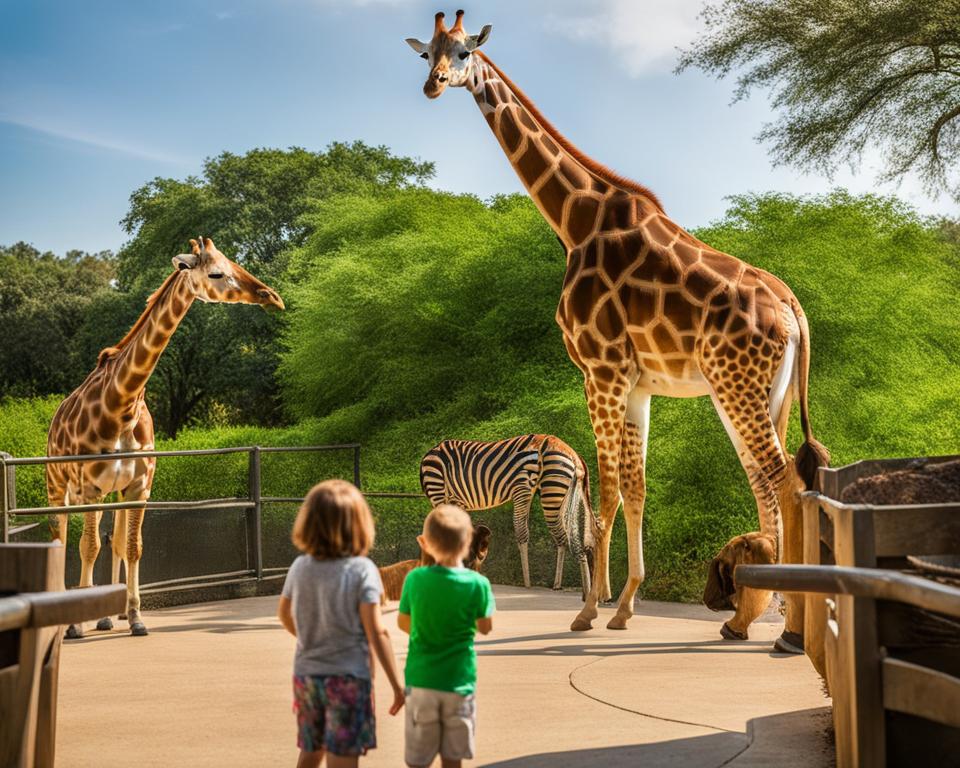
442, 607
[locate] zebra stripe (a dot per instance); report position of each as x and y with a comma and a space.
478, 475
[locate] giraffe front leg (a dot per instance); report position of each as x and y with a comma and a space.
89, 550
633, 492
139, 491
607, 414
134, 551
118, 547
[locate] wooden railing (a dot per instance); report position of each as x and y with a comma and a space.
31, 616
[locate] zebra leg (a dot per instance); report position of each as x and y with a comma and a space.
558, 577
521, 527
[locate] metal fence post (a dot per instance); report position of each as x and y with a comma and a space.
356, 465
7, 490
256, 529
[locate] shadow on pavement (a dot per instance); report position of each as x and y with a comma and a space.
711, 750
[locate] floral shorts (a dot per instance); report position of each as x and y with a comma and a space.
335, 713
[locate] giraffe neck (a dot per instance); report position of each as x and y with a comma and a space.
136, 355
572, 191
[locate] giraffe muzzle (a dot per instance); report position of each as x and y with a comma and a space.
271, 299
436, 83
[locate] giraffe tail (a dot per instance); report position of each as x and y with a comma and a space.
812, 454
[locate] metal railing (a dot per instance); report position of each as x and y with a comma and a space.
252, 503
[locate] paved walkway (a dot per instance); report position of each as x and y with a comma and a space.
210, 687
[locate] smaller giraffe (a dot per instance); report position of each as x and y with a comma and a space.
478, 475
107, 414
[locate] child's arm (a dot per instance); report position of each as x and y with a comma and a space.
403, 621
485, 626
379, 640
285, 614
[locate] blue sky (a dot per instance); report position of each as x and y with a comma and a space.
98, 97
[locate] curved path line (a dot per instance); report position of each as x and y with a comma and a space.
635, 711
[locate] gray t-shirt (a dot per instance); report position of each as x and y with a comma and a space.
326, 597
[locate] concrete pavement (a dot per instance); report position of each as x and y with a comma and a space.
210, 686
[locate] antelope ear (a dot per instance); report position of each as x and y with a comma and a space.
186, 261
420, 48
475, 41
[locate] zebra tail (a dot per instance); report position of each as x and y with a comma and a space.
591, 525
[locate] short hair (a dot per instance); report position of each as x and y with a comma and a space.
334, 521
448, 529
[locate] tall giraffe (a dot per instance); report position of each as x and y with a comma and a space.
107, 413
646, 309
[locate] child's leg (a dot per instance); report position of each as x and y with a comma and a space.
342, 761
310, 759
311, 719
459, 720
422, 728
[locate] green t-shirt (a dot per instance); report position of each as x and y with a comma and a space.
444, 605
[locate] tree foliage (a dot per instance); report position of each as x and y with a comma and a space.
222, 359
847, 74
46, 312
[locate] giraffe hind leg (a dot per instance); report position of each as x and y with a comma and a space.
746, 417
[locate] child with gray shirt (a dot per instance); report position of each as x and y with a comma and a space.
331, 604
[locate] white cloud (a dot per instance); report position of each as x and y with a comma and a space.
107, 143
644, 35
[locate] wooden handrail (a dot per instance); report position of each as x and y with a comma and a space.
860, 582
31, 610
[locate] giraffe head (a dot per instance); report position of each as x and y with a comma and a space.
214, 278
449, 54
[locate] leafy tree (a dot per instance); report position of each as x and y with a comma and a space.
44, 306
224, 357
845, 75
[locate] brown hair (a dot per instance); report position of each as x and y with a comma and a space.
448, 528
334, 521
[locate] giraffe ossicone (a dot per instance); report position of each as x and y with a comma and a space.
108, 414
646, 309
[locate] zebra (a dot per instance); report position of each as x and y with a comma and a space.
479, 475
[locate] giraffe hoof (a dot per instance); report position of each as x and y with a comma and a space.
74, 632
580, 625
122, 617
618, 622
137, 629
727, 633
789, 642
104, 624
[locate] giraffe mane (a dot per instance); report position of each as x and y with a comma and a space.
589, 163
109, 352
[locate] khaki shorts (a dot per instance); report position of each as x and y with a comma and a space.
439, 721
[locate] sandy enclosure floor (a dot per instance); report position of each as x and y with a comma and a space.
210, 686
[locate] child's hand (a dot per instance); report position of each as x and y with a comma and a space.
398, 701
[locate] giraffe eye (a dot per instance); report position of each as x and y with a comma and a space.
215, 275
424, 55
464, 55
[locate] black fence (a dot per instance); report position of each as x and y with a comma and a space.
235, 537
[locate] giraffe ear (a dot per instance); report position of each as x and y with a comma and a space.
185, 261
475, 41
420, 48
